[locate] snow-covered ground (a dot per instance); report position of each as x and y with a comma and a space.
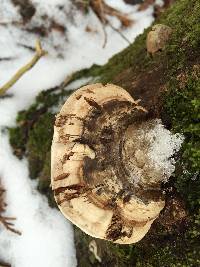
47, 238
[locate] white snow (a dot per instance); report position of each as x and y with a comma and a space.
47, 238
164, 145
154, 150
75, 23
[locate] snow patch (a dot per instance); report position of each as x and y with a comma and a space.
47, 238
153, 150
164, 145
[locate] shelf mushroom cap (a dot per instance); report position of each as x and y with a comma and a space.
92, 185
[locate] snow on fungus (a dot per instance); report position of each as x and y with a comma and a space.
104, 172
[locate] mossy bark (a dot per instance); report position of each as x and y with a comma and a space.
168, 84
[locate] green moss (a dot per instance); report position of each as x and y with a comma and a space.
39, 143
33, 135
111, 254
182, 108
182, 48
44, 180
133, 56
18, 140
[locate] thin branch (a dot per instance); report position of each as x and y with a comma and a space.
103, 19
39, 53
7, 222
66, 81
3, 264
97, 6
119, 32
101, 9
8, 225
5, 23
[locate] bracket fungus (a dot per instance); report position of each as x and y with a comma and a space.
102, 178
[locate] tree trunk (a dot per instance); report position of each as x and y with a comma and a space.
168, 84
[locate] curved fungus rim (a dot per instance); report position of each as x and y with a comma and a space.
91, 184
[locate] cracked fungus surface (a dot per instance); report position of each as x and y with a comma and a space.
104, 160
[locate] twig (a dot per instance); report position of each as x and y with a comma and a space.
39, 53
4, 220
66, 81
5, 23
97, 6
8, 225
27, 47
6, 58
101, 9
3, 264
119, 32
103, 19
146, 4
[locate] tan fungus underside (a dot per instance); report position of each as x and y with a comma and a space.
71, 192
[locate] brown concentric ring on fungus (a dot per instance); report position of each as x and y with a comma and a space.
92, 185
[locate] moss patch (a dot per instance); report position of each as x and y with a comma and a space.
33, 136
